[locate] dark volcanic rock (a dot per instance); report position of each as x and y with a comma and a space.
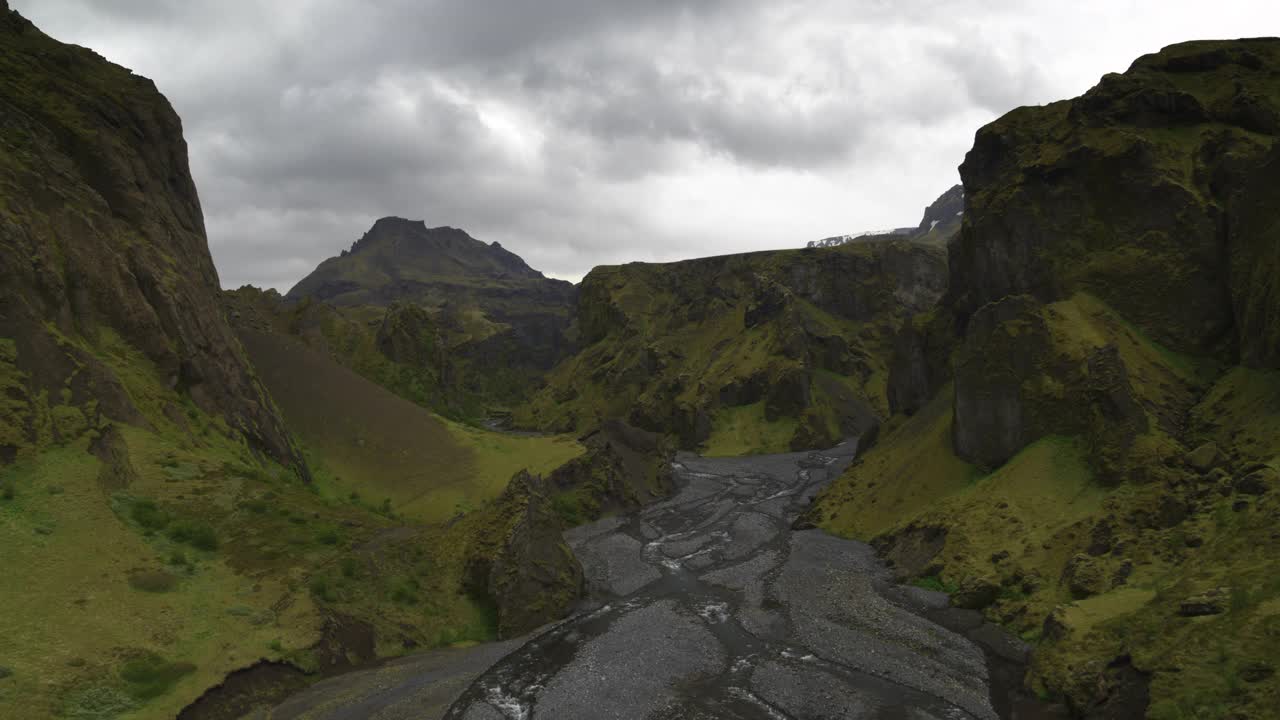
102, 236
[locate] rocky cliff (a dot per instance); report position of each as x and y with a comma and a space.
107, 281
1153, 191
1087, 426
743, 352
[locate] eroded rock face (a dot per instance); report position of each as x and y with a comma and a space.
523, 566
921, 360
1007, 344
624, 467
1019, 377
102, 237
668, 346
1175, 229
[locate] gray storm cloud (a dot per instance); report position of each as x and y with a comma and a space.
586, 132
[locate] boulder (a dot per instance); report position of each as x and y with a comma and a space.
975, 593
1210, 602
1205, 458
1084, 576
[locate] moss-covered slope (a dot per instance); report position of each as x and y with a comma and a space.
452, 360
1087, 438
741, 353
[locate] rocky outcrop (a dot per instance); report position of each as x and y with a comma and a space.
1021, 374
408, 336
921, 360
623, 468
943, 215
103, 245
521, 565
1155, 191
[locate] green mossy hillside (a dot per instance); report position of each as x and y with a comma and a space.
453, 360
1087, 439
758, 352
362, 439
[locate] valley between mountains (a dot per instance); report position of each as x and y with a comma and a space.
1021, 460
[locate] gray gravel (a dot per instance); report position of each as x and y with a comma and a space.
612, 564
631, 670
707, 605
711, 607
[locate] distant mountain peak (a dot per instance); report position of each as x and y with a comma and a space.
402, 259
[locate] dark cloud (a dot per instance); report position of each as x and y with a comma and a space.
582, 132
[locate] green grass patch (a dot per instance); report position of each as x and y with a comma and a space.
743, 430
151, 676
196, 534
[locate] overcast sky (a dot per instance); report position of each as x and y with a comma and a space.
588, 132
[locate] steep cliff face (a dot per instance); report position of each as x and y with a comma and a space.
742, 352
104, 254
1087, 433
1152, 191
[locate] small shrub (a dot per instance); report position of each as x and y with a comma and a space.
148, 515
405, 591
276, 645
350, 567
151, 676
328, 536
321, 589
178, 557
195, 534
152, 581
935, 583
569, 509
7, 492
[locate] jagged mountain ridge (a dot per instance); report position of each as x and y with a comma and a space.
400, 260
